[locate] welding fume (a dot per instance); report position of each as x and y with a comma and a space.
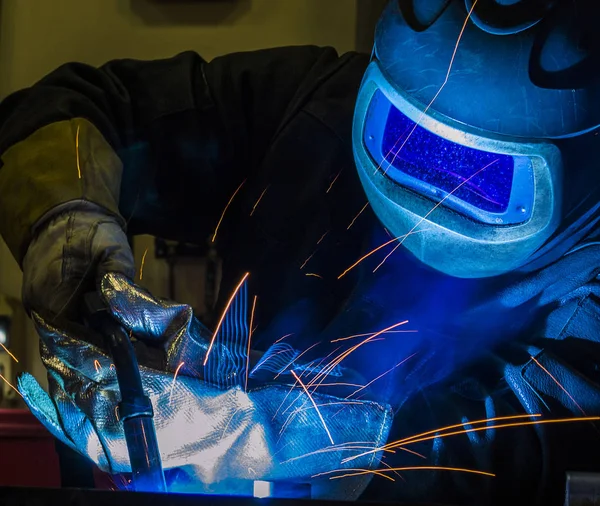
410, 251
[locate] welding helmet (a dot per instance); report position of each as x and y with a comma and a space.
475, 127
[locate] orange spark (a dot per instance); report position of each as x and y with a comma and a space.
9, 384
342, 447
77, 151
339, 385
314, 275
356, 472
364, 257
142, 265
315, 405
8, 351
408, 440
418, 122
356, 217
259, 199
225, 210
212, 341
97, 365
322, 237
412, 468
380, 376
112, 366
391, 469
558, 383
431, 211
333, 182
249, 339
370, 334
346, 353
301, 409
283, 337
117, 412
174, 379
307, 260
500, 426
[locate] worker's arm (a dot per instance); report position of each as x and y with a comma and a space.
533, 393
167, 140
159, 145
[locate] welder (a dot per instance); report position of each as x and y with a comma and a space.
467, 144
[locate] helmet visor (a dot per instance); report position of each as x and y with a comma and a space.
489, 187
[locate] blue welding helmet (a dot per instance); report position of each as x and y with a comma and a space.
470, 148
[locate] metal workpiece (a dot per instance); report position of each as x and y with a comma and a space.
583, 489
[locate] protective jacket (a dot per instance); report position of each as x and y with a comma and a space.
181, 136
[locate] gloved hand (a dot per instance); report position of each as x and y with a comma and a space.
222, 436
72, 249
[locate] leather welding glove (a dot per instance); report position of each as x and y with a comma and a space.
222, 433
70, 253
59, 214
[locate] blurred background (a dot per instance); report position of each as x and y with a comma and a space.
37, 36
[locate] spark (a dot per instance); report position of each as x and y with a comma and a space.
333, 182
500, 426
77, 151
408, 440
413, 452
315, 405
117, 412
356, 217
225, 210
343, 447
259, 199
346, 353
422, 115
339, 385
391, 469
559, 385
249, 340
212, 341
8, 351
307, 260
296, 358
322, 237
285, 399
356, 472
314, 275
380, 376
301, 409
370, 334
431, 211
283, 337
262, 362
143, 263
112, 366
173, 382
411, 468
9, 384
97, 365
228, 422
364, 257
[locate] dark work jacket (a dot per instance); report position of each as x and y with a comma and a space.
278, 123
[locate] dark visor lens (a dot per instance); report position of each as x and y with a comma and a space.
479, 178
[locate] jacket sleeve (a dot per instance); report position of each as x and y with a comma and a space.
543, 399
162, 144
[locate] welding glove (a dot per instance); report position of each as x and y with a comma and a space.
223, 431
73, 247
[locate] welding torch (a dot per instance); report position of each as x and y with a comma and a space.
135, 408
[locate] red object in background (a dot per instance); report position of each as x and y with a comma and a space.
27, 452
